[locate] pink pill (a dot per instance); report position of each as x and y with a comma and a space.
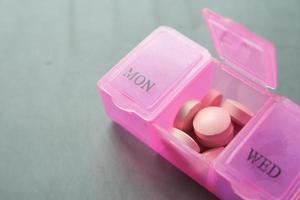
213, 127
239, 113
184, 117
185, 139
212, 98
212, 154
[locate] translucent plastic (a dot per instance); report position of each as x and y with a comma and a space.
145, 90
145, 80
247, 52
265, 156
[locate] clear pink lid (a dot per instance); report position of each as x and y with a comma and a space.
238, 47
263, 161
153, 73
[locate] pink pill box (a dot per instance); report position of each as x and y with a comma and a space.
145, 90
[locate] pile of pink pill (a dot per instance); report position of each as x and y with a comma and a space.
208, 125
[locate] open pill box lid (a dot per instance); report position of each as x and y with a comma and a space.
248, 53
152, 74
263, 161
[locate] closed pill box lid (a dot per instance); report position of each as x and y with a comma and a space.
263, 161
248, 53
147, 79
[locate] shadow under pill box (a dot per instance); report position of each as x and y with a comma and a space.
217, 120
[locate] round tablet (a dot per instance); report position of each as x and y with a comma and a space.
239, 113
184, 117
212, 98
212, 154
213, 126
185, 139
218, 140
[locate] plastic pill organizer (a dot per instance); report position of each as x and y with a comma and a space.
145, 90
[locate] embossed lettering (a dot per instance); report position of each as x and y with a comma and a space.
274, 172
130, 75
263, 164
254, 156
148, 85
140, 80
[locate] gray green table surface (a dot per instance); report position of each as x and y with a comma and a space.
55, 140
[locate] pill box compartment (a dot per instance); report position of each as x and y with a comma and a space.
264, 157
195, 164
146, 89
151, 78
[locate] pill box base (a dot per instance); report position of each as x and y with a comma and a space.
158, 138
200, 171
